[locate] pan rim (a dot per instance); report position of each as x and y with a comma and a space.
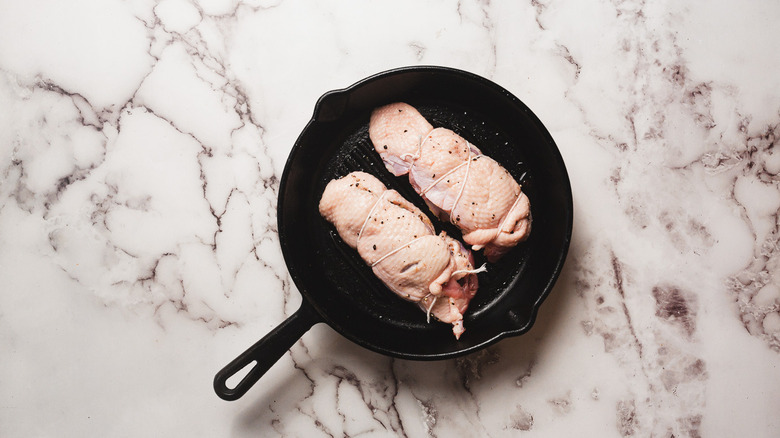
557, 267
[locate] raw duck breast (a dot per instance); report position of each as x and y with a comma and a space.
458, 183
399, 242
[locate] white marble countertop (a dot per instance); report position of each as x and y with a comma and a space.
141, 145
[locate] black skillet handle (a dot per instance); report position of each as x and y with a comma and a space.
265, 352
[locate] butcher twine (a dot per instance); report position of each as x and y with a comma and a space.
370, 212
360, 233
407, 244
467, 163
501, 226
482, 268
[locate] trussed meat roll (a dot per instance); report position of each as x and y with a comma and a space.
458, 183
399, 242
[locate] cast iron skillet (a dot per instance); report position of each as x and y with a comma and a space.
340, 290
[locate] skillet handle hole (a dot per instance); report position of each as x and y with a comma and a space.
234, 380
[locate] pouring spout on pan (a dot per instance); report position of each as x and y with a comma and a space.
331, 106
265, 352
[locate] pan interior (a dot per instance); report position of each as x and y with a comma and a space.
333, 277
357, 153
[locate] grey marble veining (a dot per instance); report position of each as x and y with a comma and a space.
141, 146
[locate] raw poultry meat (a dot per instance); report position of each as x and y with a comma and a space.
458, 183
398, 241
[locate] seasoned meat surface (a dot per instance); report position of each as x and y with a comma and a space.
458, 183
399, 242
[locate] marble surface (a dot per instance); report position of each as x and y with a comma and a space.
141, 145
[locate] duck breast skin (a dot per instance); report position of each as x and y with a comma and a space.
458, 183
400, 244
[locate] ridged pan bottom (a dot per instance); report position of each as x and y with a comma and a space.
347, 268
